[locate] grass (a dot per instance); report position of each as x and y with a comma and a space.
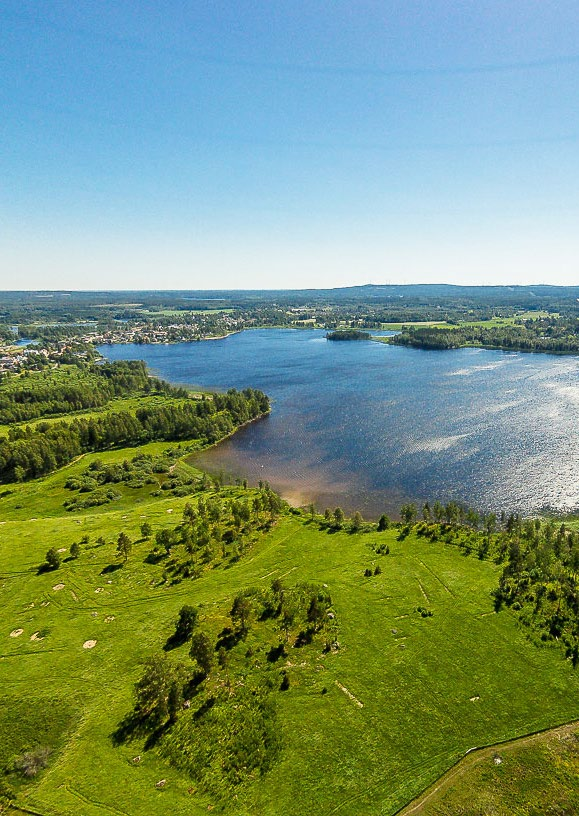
414, 676
529, 776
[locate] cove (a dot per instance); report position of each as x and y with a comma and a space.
369, 426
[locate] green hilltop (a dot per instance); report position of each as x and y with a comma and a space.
188, 646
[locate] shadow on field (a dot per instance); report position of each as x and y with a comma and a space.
111, 568
174, 641
133, 726
228, 638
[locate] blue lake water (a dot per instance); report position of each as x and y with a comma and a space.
368, 426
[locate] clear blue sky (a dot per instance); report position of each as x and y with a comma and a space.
288, 144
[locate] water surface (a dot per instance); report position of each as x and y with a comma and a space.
368, 426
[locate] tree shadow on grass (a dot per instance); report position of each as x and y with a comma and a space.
156, 735
111, 568
45, 568
228, 638
133, 726
174, 641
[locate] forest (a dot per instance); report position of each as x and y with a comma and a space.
29, 451
547, 334
72, 388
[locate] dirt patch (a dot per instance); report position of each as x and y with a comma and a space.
61, 549
58, 587
349, 694
89, 644
16, 632
426, 598
35, 637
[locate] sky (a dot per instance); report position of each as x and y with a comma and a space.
185, 144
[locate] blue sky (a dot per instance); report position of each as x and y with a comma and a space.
288, 144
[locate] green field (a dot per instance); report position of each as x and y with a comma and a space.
533, 775
442, 324
405, 695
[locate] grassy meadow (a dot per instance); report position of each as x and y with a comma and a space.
364, 727
533, 775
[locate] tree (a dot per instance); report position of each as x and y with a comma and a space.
288, 617
277, 588
124, 546
53, 559
202, 652
438, 511
146, 530
383, 523
338, 516
75, 550
241, 612
408, 513
490, 523
316, 611
356, 523
155, 688
186, 623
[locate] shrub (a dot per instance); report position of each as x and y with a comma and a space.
31, 762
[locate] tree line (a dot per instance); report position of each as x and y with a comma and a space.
552, 334
34, 451
34, 395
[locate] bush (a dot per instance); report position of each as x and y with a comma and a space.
31, 762
52, 559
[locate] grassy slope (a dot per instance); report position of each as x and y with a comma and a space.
534, 775
417, 717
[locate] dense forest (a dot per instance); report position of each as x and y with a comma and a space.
31, 451
348, 334
550, 334
76, 388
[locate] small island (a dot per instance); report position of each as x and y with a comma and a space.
348, 334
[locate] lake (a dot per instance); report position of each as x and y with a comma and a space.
369, 426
